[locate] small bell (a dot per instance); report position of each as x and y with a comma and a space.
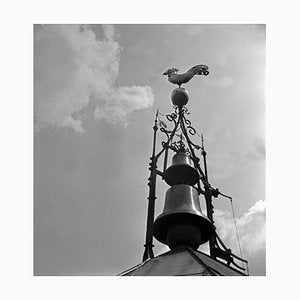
181, 171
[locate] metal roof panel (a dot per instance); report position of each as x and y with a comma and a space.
182, 261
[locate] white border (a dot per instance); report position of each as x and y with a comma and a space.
17, 149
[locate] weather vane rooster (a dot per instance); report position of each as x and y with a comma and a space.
179, 79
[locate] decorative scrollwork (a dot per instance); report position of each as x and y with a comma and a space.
178, 146
167, 132
162, 124
172, 117
191, 130
186, 121
195, 146
180, 133
187, 150
185, 110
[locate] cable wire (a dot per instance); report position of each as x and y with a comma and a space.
237, 234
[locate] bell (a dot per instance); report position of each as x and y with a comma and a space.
182, 221
181, 171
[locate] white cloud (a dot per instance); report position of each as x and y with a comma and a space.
72, 68
122, 101
251, 228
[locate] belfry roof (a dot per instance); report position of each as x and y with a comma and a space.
182, 261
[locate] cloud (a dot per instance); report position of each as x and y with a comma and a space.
251, 229
72, 68
123, 101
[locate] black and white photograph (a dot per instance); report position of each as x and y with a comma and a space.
181, 103
147, 146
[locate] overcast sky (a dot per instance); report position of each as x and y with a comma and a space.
96, 92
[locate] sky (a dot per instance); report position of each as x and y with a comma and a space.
96, 91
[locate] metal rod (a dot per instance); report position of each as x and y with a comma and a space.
166, 145
226, 249
208, 199
155, 127
151, 198
166, 159
209, 208
203, 152
150, 217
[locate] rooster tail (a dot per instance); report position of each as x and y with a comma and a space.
198, 70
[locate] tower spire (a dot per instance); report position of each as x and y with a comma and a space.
182, 223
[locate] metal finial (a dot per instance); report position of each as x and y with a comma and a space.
179, 79
156, 116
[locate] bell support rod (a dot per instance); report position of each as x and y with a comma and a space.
148, 253
203, 152
208, 199
166, 159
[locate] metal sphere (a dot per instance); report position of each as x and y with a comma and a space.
180, 96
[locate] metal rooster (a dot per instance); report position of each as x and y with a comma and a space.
179, 79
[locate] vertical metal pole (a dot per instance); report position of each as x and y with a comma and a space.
208, 200
209, 208
166, 159
203, 152
151, 198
